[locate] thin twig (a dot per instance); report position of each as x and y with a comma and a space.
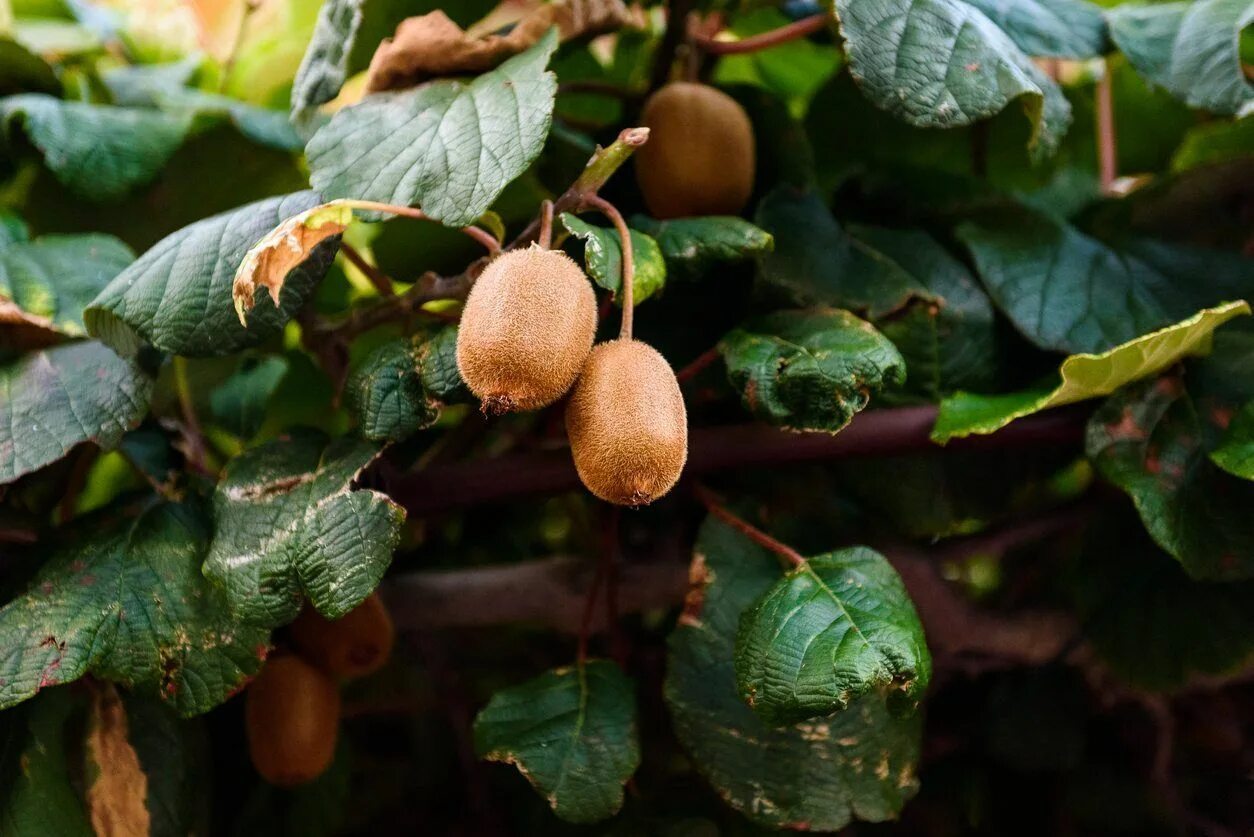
1106, 147
487, 239
380, 280
698, 364
545, 239
608, 209
589, 610
712, 504
191, 422
756, 43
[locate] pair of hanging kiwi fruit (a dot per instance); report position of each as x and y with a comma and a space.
528, 326
292, 708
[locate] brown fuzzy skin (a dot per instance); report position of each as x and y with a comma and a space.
627, 424
355, 645
292, 717
699, 159
526, 330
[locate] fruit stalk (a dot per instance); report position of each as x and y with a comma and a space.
608, 209
756, 43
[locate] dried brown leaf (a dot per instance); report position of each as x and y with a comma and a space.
117, 799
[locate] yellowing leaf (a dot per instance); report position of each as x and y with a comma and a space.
1084, 376
267, 264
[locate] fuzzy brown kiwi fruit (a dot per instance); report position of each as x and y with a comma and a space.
357, 644
292, 717
627, 424
526, 330
699, 159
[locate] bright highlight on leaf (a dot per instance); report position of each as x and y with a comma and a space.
830, 631
1085, 376
572, 733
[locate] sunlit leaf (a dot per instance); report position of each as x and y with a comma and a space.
603, 256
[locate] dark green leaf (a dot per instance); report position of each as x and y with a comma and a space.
53, 278
291, 524
99, 152
1071, 293
39, 799
174, 755
1190, 49
1215, 142
438, 367
572, 733
177, 296
1235, 453
22, 71
325, 65
811, 369
837, 628
603, 256
1055, 28
690, 246
126, 602
386, 393
239, 404
819, 774
263, 126
941, 63
55, 399
449, 146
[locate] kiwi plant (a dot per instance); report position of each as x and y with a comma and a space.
874, 456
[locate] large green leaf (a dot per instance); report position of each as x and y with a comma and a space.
177, 296
1071, 293
39, 799
100, 152
325, 65
941, 63
291, 524
1190, 49
811, 369
125, 601
832, 630
690, 246
50, 280
1153, 440
1235, 453
60, 397
571, 732
449, 146
239, 403
1054, 28
816, 775
400, 387
603, 256
1084, 376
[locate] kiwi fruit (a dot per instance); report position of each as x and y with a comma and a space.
292, 717
526, 330
627, 424
357, 644
699, 159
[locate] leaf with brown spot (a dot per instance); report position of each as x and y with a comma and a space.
117, 799
431, 45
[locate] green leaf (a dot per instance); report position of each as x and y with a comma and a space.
437, 364
99, 152
291, 524
1190, 49
1235, 453
177, 296
125, 601
449, 146
837, 628
603, 256
572, 733
39, 798
1154, 626
50, 280
60, 397
239, 403
819, 774
811, 369
324, 68
1215, 142
1084, 376
22, 71
386, 393
263, 126
792, 71
690, 246
1049, 28
1071, 293
941, 63
174, 755
1153, 440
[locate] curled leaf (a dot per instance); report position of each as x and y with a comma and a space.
289, 244
430, 46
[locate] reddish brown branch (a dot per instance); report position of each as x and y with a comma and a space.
744, 527
698, 365
756, 43
1106, 147
380, 280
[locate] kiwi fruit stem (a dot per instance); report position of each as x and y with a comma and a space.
608, 209
545, 238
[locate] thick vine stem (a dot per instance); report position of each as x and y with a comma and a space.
753, 533
1106, 147
610, 211
756, 43
604, 162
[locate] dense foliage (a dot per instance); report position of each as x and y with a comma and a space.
958, 298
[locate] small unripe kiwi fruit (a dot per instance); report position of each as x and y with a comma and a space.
526, 330
357, 644
699, 159
627, 424
292, 717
